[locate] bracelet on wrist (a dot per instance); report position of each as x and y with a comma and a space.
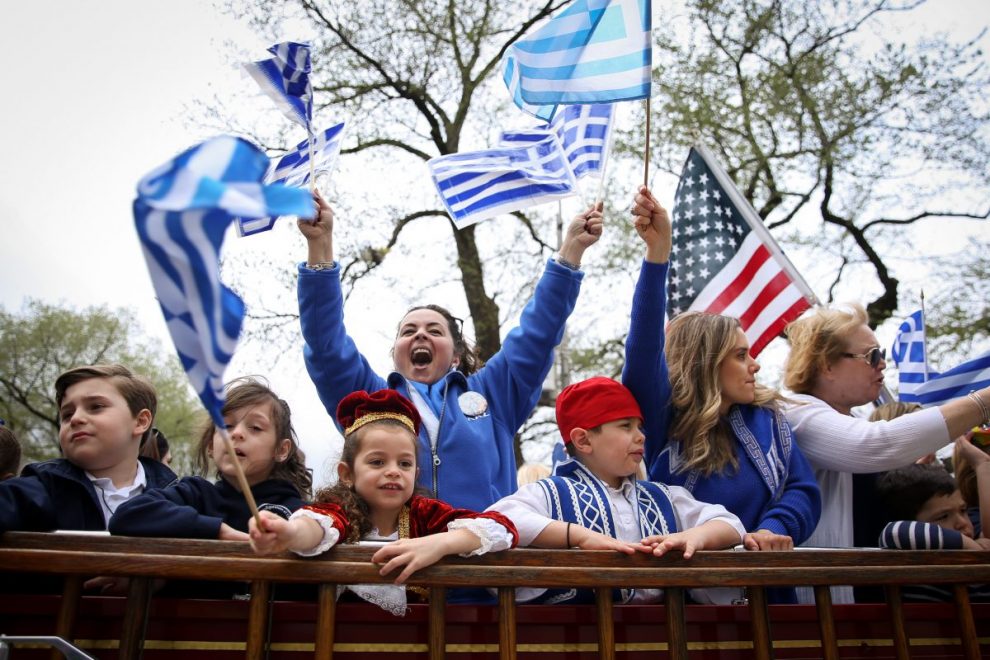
566, 264
322, 265
984, 409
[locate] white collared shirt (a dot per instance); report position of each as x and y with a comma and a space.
112, 497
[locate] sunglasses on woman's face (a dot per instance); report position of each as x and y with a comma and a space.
873, 356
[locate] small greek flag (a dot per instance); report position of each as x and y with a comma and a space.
477, 185
971, 375
595, 51
285, 78
909, 354
292, 169
585, 133
181, 213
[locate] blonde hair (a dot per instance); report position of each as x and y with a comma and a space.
529, 473
697, 344
817, 341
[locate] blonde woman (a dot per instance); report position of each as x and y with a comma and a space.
709, 426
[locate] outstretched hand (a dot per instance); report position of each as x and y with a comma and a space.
583, 232
410, 555
274, 535
652, 223
590, 540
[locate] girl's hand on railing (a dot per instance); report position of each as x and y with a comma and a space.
228, 533
767, 541
414, 554
278, 534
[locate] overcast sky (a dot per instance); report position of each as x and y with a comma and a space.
95, 94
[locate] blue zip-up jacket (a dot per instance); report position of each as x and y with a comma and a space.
793, 507
474, 450
194, 508
57, 494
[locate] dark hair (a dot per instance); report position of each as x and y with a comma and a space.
157, 448
137, 390
468, 360
249, 391
904, 491
343, 494
10, 451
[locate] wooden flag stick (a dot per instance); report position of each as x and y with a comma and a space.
312, 166
646, 150
241, 479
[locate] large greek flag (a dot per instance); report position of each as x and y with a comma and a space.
595, 51
477, 185
285, 78
909, 354
293, 169
181, 213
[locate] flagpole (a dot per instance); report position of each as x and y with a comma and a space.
241, 478
755, 222
924, 334
605, 154
646, 148
312, 166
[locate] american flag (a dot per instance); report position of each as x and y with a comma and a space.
724, 261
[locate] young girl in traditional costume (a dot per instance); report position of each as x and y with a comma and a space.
374, 500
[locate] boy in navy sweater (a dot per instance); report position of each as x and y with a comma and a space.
105, 414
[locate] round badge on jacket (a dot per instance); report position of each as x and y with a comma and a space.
472, 404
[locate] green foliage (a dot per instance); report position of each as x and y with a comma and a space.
43, 340
958, 318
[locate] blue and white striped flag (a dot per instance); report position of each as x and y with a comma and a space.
595, 51
909, 354
971, 375
585, 133
181, 213
477, 185
292, 169
285, 78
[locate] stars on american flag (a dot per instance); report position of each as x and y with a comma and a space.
706, 231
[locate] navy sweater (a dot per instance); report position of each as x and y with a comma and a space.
57, 494
194, 508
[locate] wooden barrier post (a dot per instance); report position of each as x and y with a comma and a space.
676, 638
326, 620
66, 623
967, 627
606, 633
506, 623
438, 611
826, 622
257, 634
899, 634
762, 642
135, 618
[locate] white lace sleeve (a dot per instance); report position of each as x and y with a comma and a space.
493, 535
330, 533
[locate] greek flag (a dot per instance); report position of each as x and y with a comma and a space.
285, 78
595, 51
909, 354
181, 213
585, 133
971, 375
477, 185
292, 169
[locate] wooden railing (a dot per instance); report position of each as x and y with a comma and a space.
142, 560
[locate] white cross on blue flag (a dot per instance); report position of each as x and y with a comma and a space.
285, 78
909, 354
585, 133
477, 185
594, 51
181, 213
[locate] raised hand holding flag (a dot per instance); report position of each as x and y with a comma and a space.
181, 213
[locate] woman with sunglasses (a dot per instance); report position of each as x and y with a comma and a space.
836, 364
470, 412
